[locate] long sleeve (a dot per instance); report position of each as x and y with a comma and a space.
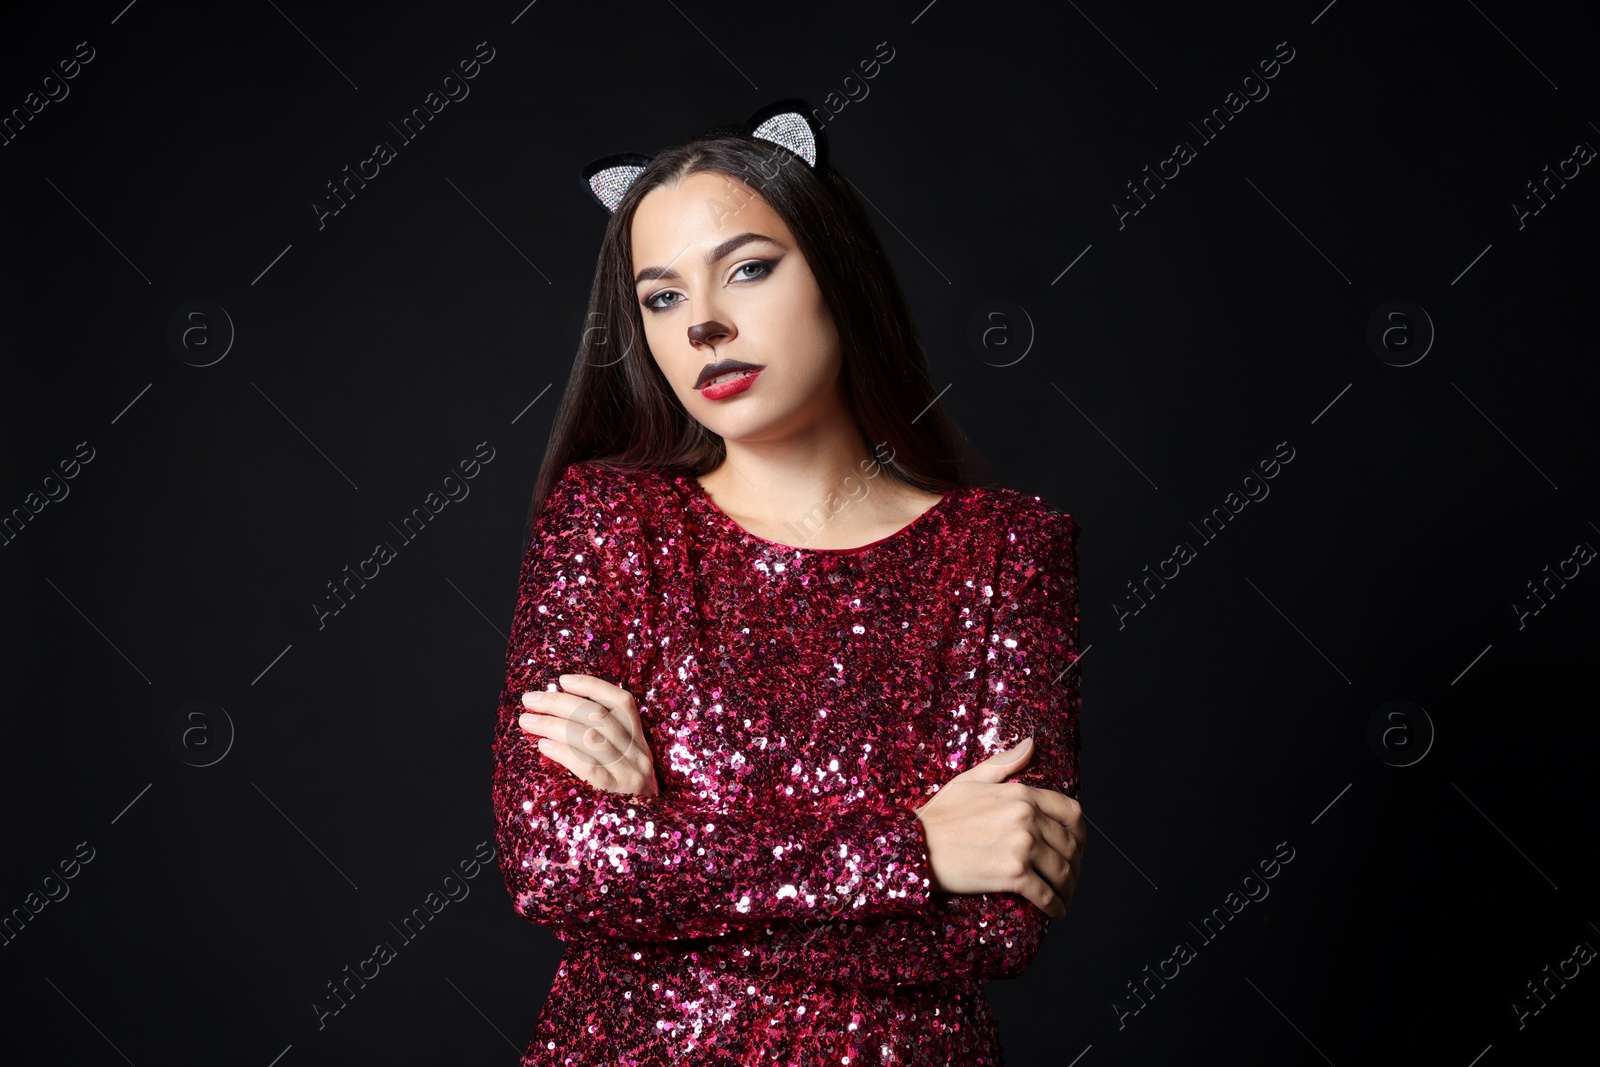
1030, 685
589, 863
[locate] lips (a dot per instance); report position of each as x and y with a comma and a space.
722, 366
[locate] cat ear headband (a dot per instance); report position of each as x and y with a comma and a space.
786, 123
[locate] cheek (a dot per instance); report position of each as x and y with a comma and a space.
656, 341
809, 330
822, 348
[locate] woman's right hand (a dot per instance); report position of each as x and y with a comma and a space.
987, 835
593, 729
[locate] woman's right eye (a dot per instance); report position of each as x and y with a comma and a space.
653, 306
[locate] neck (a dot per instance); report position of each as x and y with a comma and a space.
786, 475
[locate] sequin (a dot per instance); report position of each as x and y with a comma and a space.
773, 905
790, 130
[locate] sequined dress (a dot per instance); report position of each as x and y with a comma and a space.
772, 905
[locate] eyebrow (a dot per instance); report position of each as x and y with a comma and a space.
651, 273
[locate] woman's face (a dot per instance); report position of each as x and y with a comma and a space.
719, 276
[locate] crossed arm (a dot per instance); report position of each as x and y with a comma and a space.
591, 848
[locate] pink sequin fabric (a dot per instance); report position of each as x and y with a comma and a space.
773, 905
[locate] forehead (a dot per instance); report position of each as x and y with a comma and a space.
699, 212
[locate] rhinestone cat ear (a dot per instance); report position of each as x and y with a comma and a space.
786, 123
608, 177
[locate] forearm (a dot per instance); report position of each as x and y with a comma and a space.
582, 861
961, 938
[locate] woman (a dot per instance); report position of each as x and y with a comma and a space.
758, 758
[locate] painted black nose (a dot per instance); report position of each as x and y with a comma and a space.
702, 333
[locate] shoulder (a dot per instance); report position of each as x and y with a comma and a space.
1024, 520
589, 476
594, 516
1035, 547
608, 499
599, 484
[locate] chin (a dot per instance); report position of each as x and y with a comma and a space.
744, 427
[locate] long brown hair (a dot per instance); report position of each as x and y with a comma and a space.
618, 408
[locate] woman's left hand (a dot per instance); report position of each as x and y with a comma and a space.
594, 730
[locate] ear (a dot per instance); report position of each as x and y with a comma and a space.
789, 123
607, 179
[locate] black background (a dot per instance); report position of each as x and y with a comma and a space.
373, 354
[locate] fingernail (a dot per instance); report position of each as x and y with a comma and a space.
1018, 747
534, 698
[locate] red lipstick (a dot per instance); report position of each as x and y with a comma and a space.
729, 388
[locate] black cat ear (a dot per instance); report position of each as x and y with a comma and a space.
607, 179
789, 123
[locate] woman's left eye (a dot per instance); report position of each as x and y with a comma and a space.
765, 266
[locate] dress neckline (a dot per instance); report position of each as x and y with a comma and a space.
698, 491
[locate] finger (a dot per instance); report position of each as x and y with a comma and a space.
1001, 765
581, 713
562, 753
1052, 866
1071, 886
572, 716
600, 691
1058, 840
1042, 895
560, 729
1077, 825
618, 699
591, 743
555, 702
1060, 807
620, 704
